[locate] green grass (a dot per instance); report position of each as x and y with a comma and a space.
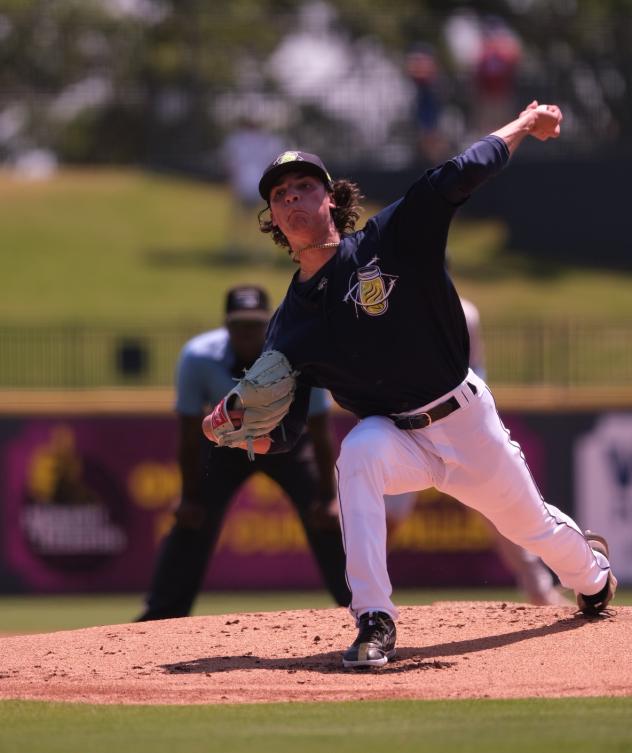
42, 613
519, 726
125, 246
508, 286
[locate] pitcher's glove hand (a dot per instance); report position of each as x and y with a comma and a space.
256, 405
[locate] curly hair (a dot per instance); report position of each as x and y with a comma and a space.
347, 197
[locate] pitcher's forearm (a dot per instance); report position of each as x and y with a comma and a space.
540, 121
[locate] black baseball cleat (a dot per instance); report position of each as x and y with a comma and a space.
596, 603
375, 643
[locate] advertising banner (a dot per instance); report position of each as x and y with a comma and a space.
86, 500
603, 486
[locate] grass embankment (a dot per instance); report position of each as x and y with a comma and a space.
125, 247
129, 247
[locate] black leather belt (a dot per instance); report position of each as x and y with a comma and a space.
421, 420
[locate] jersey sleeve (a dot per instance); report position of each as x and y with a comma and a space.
457, 178
417, 225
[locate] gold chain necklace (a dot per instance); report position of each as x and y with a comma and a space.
295, 254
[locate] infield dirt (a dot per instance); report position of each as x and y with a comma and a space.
445, 650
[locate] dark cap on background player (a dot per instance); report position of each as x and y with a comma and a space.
247, 303
289, 162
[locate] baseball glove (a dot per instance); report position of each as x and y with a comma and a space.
257, 404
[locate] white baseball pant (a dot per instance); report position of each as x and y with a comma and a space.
531, 577
469, 455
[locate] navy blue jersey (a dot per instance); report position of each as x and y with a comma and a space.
380, 324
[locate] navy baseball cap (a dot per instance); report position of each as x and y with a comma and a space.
247, 303
288, 162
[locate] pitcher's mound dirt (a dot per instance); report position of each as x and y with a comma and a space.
446, 650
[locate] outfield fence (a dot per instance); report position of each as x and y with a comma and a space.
536, 353
91, 356
569, 354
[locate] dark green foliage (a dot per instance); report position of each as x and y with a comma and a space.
188, 53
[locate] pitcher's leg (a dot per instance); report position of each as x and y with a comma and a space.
561, 545
375, 457
549, 533
495, 479
532, 577
363, 525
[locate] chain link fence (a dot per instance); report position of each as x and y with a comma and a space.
90, 356
562, 354
570, 354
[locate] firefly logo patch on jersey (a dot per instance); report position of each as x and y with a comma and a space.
370, 288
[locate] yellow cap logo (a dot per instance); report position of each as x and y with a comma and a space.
287, 157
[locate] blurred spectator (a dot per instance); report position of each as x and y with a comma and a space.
462, 36
35, 164
355, 85
245, 154
477, 348
495, 75
423, 69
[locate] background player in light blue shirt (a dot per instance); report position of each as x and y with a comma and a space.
207, 368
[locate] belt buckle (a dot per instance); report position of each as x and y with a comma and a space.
428, 416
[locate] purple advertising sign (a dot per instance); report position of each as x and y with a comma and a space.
82, 499
86, 500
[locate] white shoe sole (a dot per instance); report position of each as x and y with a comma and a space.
600, 541
599, 544
347, 664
